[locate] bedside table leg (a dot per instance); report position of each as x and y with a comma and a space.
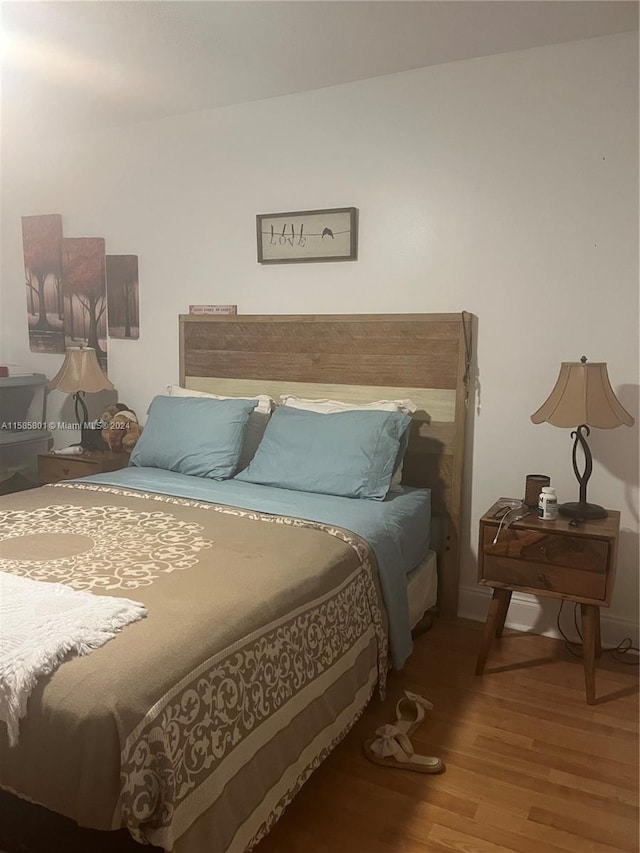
590, 631
505, 601
598, 640
495, 621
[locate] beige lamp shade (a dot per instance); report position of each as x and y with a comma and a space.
583, 395
80, 371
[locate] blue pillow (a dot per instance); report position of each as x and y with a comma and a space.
352, 454
193, 435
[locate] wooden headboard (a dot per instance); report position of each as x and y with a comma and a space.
356, 358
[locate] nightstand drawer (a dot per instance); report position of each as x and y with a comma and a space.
546, 578
52, 470
548, 549
53, 467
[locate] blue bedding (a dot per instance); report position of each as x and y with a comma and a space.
397, 528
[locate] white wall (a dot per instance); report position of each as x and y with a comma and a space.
506, 186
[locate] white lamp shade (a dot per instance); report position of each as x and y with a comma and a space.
80, 371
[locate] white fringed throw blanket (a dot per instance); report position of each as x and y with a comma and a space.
40, 624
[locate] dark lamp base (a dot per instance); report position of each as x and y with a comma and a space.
92, 439
582, 510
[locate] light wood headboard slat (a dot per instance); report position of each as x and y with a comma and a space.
434, 404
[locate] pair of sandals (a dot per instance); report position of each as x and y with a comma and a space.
393, 748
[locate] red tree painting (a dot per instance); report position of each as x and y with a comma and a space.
41, 237
83, 278
122, 296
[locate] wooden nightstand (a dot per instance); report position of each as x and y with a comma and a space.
53, 467
554, 559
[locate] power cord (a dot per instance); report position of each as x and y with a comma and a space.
575, 648
509, 513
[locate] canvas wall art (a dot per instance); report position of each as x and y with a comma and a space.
85, 297
122, 296
41, 237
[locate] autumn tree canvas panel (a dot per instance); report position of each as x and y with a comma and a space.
85, 297
41, 237
122, 296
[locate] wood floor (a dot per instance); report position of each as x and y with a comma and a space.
531, 767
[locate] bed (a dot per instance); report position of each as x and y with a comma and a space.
273, 613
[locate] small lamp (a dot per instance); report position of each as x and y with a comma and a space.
582, 397
80, 374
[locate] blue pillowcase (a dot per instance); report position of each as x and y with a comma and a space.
351, 454
193, 435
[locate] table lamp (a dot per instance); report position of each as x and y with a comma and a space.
81, 374
582, 397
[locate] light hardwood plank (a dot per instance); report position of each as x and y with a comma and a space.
544, 838
620, 834
459, 841
611, 792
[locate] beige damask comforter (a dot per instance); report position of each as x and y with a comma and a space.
194, 728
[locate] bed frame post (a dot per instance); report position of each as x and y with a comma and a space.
450, 553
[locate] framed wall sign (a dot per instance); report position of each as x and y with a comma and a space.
307, 236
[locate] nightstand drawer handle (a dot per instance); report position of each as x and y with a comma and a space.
544, 580
65, 470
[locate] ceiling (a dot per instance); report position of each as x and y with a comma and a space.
68, 67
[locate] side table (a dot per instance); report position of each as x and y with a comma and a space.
555, 559
53, 467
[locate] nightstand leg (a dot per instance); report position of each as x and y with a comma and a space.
598, 640
497, 614
590, 630
505, 601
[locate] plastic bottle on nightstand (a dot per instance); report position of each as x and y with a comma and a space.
547, 504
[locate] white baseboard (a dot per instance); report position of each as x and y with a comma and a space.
538, 615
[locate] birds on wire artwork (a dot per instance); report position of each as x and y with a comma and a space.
288, 235
307, 235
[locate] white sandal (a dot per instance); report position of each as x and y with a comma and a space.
410, 712
392, 748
